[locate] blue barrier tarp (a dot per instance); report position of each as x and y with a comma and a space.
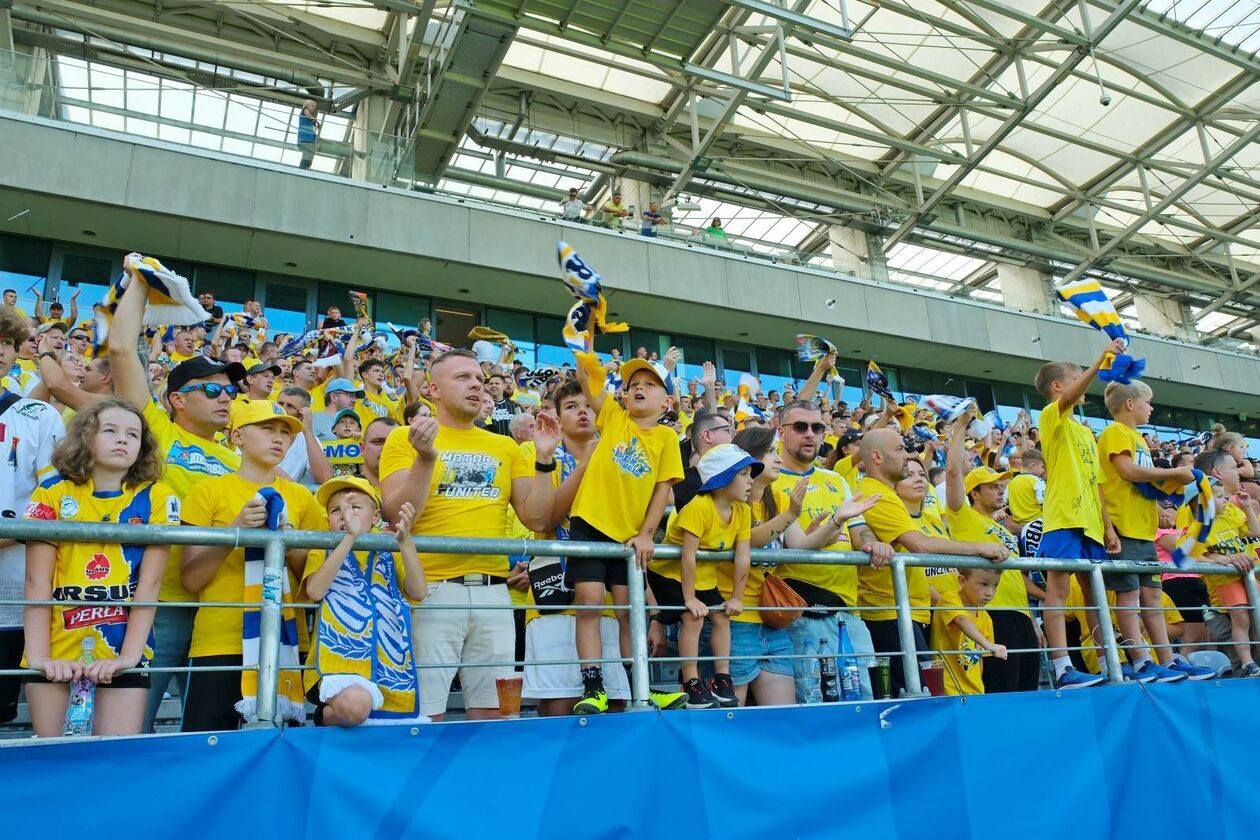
1122, 761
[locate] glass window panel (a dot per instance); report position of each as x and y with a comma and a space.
88, 275
696, 351
228, 285
653, 342
392, 308
285, 308
23, 265
734, 363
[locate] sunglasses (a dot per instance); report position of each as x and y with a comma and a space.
79, 337
211, 390
801, 427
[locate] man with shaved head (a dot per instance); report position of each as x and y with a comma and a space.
884, 457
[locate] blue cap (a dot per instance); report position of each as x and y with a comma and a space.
345, 385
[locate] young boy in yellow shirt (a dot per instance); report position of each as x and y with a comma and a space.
244, 499
1126, 463
1075, 521
960, 623
621, 499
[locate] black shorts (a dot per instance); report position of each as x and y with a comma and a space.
120, 681
669, 593
210, 705
610, 571
1190, 594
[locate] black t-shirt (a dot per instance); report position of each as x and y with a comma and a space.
686, 490
504, 411
333, 323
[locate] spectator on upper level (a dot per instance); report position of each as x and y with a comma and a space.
307, 133
206, 299
573, 209
715, 230
613, 212
333, 319
651, 220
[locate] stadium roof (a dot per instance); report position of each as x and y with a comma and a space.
1110, 138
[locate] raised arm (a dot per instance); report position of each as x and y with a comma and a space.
1073, 392
810, 389
131, 378
955, 463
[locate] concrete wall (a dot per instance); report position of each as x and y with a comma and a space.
137, 194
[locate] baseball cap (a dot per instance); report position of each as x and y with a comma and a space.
249, 412
720, 464
347, 412
983, 475
350, 482
630, 368
258, 366
346, 385
202, 367
850, 436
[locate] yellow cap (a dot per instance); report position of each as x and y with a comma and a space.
248, 412
983, 475
349, 482
630, 368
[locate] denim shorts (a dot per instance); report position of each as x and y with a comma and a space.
749, 639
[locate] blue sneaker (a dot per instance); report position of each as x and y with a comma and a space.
1132, 675
1073, 678
1161, 674
1193, 672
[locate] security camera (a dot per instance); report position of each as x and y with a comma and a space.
1104, 100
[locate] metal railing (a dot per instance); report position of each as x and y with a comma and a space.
275, 543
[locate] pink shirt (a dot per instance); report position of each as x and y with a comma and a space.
1164, 556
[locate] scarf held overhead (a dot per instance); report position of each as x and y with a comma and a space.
1090, 304
169, 299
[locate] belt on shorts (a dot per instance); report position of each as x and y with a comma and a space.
476, 580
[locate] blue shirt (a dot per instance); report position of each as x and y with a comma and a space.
306, 129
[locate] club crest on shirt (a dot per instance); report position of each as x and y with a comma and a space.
631, 458
69, 507
97, 568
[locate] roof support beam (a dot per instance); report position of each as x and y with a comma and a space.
1228, 296
791, 17
1012, 122
1166, 202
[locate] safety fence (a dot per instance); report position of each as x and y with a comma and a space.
275, 543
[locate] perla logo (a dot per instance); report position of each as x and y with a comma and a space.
193, 459
631, 458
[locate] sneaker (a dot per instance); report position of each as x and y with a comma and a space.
1161, 673
1251, 669
698, 697
723, 691
594, 702
1131, 674
667, 701
1193, 672
1073, 678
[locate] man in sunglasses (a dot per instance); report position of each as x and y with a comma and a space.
707, 430
199, 392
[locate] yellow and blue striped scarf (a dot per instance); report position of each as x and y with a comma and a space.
170, 300
588, 316
1198, 495
1090, 304
364, 637
289, 699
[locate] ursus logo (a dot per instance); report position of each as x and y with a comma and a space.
97, 568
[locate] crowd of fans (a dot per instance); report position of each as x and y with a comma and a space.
218, 427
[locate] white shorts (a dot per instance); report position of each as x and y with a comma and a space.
551, 637
450, 636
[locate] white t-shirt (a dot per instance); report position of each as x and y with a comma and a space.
35, 427
487, 351
297, 464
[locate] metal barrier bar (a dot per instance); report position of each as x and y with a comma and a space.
1108, 633
640, 683
905, 628
1253, 599
269, 632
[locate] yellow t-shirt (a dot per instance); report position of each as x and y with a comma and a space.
319, 397
700, 517
1228, 531
1024, 495
847, 469
468, 494
827, 492
99, 575
624, 470
373, 406
187, 460
888, 519
756, 572
1132, 514
214, 503
1071, 455
968, 525
963, 671
179, 358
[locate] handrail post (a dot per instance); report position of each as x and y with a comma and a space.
905, 628
1111, 649
269, 631
1253, 596
640, 679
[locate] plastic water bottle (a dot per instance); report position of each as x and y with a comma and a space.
827, 669
82, 706
812, 689
850, 682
